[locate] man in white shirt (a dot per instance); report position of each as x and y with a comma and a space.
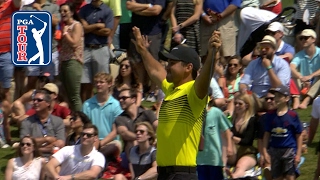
79, 161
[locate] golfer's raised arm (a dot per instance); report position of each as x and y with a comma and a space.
155, 70
202, 82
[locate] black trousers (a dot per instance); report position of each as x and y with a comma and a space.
177, 173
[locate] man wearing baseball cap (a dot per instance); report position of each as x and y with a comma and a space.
182, 111
305, 66
267, 71
285, 51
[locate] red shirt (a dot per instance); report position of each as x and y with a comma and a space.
6, 10
58, 110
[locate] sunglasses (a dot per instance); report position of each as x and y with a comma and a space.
37, 100
89, 135
123, 98
140, 131
231, 65
304, 38
124, 65
269, 98
22, 144
264, 47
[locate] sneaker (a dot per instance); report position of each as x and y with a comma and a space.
15, 145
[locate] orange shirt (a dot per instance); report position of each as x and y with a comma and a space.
6, 11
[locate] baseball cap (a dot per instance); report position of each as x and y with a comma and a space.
281, 89
270, 40
308, 33
182, 53
275, 26
51, 87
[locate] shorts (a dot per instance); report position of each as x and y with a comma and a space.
154, 48
6, 70
282, 161
95, 61
52, 68
228, 37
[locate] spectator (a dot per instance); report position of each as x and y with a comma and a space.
24, 103
210, 161
71, 54
124, 26
7, 8
182, 111
115, 6
97, 29
131, 115
34, 71
267, 71
185, 23
5, 110
230, 79
86, 163
315, 117
165, 23
146, 15
127, 79
77, 122
244, 130
306, 64
55, 109
219, 17
283, 137
142, 157
270, 106
28, 164
48, 130
103, 109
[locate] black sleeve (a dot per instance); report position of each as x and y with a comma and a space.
260, 126
249, 133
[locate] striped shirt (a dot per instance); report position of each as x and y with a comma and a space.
302, 5
6, 10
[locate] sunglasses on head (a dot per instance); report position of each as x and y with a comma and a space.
37, 100
124, 65
269, 98
304, 38
89, 135
140, 131
22, 144
231, 65
123, 98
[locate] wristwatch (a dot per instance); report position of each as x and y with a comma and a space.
72, 177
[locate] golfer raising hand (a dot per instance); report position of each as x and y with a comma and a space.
182, 111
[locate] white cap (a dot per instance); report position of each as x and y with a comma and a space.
275, 26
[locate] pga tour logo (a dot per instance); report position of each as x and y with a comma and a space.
31, 38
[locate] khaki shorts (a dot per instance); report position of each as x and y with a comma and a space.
228, 35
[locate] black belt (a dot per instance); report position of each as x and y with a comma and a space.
95, 46
173, 169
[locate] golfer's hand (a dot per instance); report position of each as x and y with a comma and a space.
139, 41
215, 41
